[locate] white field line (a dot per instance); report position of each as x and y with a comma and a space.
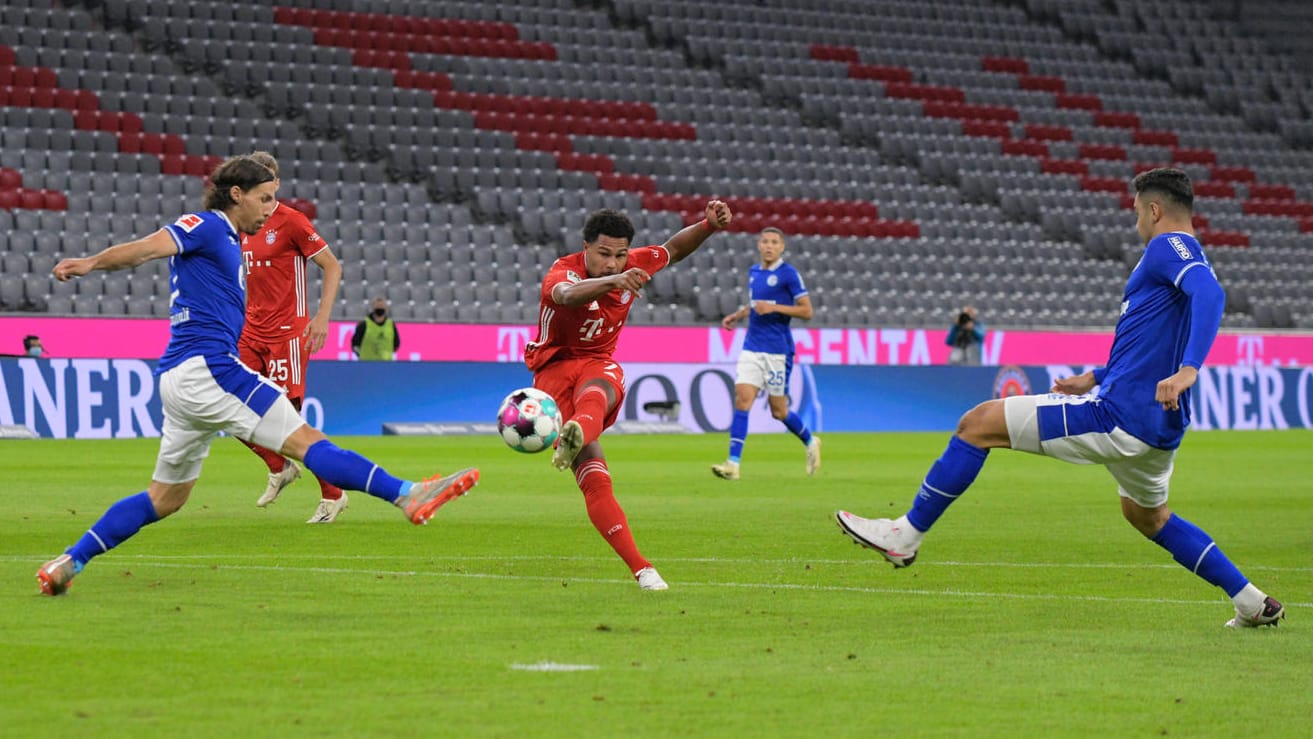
156, 562
862, 562
552, 667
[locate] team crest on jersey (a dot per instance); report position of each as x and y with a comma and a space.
625, 297
1011, 380
772, 280
188, 223
270, 237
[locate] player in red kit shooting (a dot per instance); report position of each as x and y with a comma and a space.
280, 334
584, 301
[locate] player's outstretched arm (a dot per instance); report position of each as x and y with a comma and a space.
687, 241
120, 256
586, 291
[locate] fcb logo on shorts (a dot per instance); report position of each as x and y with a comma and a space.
270, 236
1011, 380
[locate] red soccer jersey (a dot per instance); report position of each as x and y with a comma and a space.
567, 332
275, 261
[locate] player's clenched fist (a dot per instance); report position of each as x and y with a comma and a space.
718, 215
67, 268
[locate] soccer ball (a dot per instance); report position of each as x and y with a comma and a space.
529, 420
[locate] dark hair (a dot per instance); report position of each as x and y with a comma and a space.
773, 230
265, 158
1171, 183
608, 222
243, 172
29, 340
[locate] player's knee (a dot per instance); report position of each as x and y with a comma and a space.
168, 498
1148, 521
985, 425
300, 442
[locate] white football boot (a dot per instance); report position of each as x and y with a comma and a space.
278, 481
1269, 615
889, 538
328, 510
813, 455
726, 471
569, 446
649, 579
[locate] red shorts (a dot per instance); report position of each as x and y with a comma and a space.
562, 379
281, 361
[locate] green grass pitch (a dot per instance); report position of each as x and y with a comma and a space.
1033, 609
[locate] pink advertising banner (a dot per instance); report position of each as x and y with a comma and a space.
145, 338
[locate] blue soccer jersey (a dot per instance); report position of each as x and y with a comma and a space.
207, 288
782, 285
1169, 317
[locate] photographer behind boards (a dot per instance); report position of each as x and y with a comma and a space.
966, 336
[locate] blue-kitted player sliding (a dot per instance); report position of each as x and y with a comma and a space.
205, 388
1170, 314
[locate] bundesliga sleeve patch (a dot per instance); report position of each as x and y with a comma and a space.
188, 222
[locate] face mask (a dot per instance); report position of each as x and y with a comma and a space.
34, 351
380, 312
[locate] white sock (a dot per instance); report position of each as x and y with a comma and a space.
907, 532
1249, 601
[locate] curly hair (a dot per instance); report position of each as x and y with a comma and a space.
608, 222
243, 172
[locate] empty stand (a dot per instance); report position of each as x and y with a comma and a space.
919, 155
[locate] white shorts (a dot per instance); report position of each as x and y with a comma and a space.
205, 395
1077, 429
762, 370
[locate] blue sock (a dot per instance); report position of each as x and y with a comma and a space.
799, 429
1196, 551
738, 433
349, 470
120, 522
948, 478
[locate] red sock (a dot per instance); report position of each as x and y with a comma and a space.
590, 412
595, 481
328, 491
273, 460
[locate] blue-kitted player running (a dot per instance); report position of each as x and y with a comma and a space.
1170, 314
776, 295
203, 386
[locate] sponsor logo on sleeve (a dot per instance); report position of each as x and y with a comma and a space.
188, 222
1182, 250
